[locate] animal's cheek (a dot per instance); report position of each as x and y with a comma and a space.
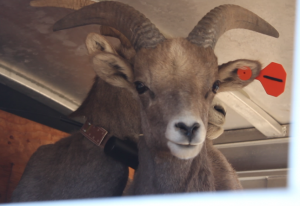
209, 98
147, 100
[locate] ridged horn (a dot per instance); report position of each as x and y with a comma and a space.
131, 23
223, 18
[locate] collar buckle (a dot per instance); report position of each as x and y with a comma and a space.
94, 133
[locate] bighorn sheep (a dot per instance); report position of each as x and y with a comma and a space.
175, 81
76, 168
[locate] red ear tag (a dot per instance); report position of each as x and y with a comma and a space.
273, 78
244, 73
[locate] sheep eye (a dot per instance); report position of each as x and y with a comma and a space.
216, 86
140, 87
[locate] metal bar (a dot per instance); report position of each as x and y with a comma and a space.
253, 113
258, 173
253, 143
244, 135
257, 155
255, 179
7, 72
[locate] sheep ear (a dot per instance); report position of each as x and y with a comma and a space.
97, 43
229, 78
125, 48
216, 119
114, 70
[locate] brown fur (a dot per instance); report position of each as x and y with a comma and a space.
168, 174
172, 76
113, 109
71, 168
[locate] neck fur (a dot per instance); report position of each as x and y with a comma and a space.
168, 174
112, 108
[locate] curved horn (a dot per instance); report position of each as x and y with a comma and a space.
130, 22
223, 18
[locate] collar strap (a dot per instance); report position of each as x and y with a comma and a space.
94, 133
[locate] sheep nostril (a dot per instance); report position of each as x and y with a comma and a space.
195, 127
181, 126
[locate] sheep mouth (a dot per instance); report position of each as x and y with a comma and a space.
185, 145
184, 151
